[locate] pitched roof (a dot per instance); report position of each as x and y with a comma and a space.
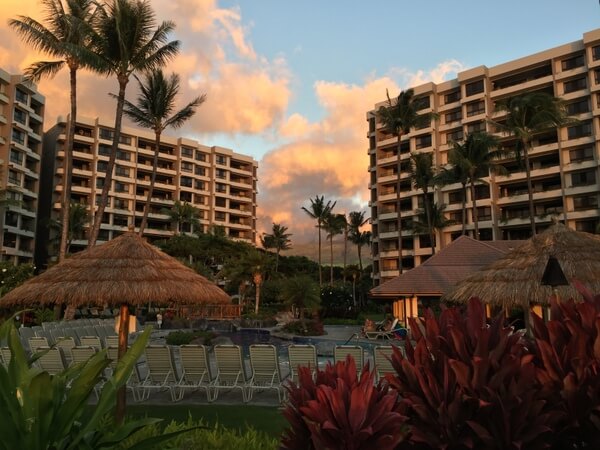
443, 270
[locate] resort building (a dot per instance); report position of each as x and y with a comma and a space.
218, 182
21, 124
564, 162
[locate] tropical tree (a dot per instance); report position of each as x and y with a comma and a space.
278, 239
423, 176
301, 293
397, 118
66, 36
78, 221
319, 210
183, 213
333, 225
358, 237
526, 116
154, 110
476, 157
455, 174
432, 224
128, 41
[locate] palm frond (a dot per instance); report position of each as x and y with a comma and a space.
42, 69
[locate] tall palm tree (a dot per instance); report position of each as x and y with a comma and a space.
154, 110
356, 219
456, 174
398, 117
129, 41
476, 157
435, 223
361, 239
66, 35
423, 176
319, 210
78, 222
279, 239
527, 115
333, 225
183, 213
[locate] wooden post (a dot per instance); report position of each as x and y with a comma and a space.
123, 336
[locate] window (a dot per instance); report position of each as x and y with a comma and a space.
423, 141
220, 216
16, 157
122, 171
120, 221
102, 166
220, 202
455, 197
18, 136
220, 187
581, 154
422, 103
200, 185
473, 88
585, 202
575, 85
371, 124
200, 156
452, 97
597, 76
186, 182
100, 183
484, 213
21, 96
121, 187
482, 191
121, 204
221, 160
581, 130
455, 136
583, 178
587, 226
596, 52
14, 177
106, 134
572, 63
222, 174
475, 108
104, 150
476, 127
578, 107
187, 152
454, 116
20, 116
123, 155
201, 171
187, 167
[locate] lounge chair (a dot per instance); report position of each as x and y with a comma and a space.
5, 356
197, 373
340, 352
162, 372
266, 373
52, 360
66, 343
91, 341
302, 355
36, 342
383, 365
111, 341
231, 371
383, 334
134, 382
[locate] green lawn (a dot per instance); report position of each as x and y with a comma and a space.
262, 418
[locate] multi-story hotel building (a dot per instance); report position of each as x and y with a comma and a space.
564, 162
21, 122
220, 183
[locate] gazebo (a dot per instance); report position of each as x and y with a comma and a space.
126, 271
515, 280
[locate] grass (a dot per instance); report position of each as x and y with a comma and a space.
267, 419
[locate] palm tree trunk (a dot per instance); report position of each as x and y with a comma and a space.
123, 334
68, 166
331, 260
399, 210
529, 186
320, 271
277, 260
152, 182
257, 283
345, 253
464, 209
111, 164
475, 218
360, 266
429, 224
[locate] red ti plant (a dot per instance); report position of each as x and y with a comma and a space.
469, 385
569, 348
339, 410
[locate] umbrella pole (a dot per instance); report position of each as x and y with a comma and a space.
123, 334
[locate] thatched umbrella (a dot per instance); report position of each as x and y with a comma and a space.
122, 272
515, 279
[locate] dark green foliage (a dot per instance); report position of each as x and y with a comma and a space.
186, 337
304, 327
337, 301
12, 276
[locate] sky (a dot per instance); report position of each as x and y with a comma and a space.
290, 82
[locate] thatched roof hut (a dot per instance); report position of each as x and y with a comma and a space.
126, 269
515, 279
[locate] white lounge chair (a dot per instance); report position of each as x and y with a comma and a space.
266, 373
134, 382
5, 356
231, 371
302, 355
383, 364
340, 353
196, 371
66, 343
36, 342
52, 360
162, 372
383, 334
91, 341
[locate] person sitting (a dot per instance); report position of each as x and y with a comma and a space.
368, 326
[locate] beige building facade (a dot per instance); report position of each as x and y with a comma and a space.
21, 125
218, 182
564, 162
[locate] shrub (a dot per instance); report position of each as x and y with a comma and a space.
340, 410
304, 327
469, 385
337, 301
186, 337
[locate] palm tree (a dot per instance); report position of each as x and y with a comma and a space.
356, 221
78, 221
398, 117
475, 157
183, 213
423, 177
319, 210
527, 115
434, 223
154, 110
456, 174
66, 35
251, 265
360, 240
301, 292
334, 224
279, 240
128, 41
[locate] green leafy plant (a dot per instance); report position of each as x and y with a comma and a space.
12, 276
340, 410
43, 411
186, 337
304, 327
43, 315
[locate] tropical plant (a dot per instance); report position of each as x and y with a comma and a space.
78, 221
469, 385
182, 214
301, 292
128, 41
397, 118
356, 219
456, 174
436, 224
528, 115
12, 275
423, 176
65, 34
338, 409
319, 210
476, 157
333, 225
154, 110
278, 239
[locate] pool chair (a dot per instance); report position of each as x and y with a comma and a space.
266, 373
383, 334
91, 341
66, 343
36, 342
197, 373
383, 365
111, 341
162, 372
51, 360
81, 355
302, 355
5, 356
231, 371
340, 352
134, 381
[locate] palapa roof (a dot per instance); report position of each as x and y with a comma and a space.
515, 279
126, 269
443, 270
